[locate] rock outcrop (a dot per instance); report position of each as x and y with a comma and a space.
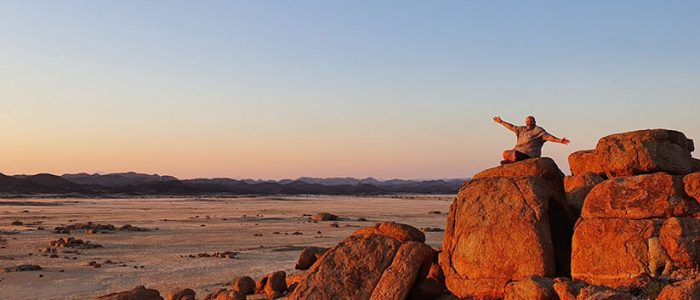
380, 262
637, 152
648, 196
544, 168
497, 231
642, 223
577, 188
562, 212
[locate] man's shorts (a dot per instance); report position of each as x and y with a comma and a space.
520, 156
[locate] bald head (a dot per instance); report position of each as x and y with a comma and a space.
530, 122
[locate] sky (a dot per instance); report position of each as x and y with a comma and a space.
283, 89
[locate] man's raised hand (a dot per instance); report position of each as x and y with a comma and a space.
497, 119
565, 141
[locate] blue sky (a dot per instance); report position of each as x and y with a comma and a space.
274, 89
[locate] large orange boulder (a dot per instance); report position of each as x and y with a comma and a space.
680, 238
577, 188
585, 161
380, 262
398, 278
692, 185
397, 231
543, 167
562, 213
639, 197
497, 231
613, 252
637, 152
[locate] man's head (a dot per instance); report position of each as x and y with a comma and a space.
530, 122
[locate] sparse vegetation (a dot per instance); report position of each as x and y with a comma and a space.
651, 290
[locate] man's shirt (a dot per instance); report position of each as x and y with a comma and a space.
530, 141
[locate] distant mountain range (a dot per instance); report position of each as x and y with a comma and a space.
137, 184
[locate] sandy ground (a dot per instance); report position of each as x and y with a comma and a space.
154, 258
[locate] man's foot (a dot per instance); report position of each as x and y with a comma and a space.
505, 162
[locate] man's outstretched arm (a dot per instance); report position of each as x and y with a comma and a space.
505, 124
551, 138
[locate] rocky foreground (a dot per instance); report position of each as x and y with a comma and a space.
624, 225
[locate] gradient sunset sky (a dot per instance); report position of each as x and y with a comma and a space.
282, 89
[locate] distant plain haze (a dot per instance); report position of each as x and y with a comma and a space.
284, 89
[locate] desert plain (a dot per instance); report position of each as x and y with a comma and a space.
260, 234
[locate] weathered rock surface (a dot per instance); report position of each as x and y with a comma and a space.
585, 161
497, 231
658, 195
612, 252
273, 285
243, 286
181, 294
543, 167
577, 188
397, 231
637, 152
562, 214
533, 288
603, 293
430, 283
692, 185
398, 278
293, 280
138, 293
680, 238
565, 289
374, 262
682, 290
308, 257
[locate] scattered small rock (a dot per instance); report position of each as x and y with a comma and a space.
308, 257
182, 294
22, 268
71, 242
324, 217
139, 292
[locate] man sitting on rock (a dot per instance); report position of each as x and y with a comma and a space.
530, 140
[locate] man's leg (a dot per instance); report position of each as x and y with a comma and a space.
508, 157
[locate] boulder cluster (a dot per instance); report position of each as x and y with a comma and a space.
624, 225
640, 218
